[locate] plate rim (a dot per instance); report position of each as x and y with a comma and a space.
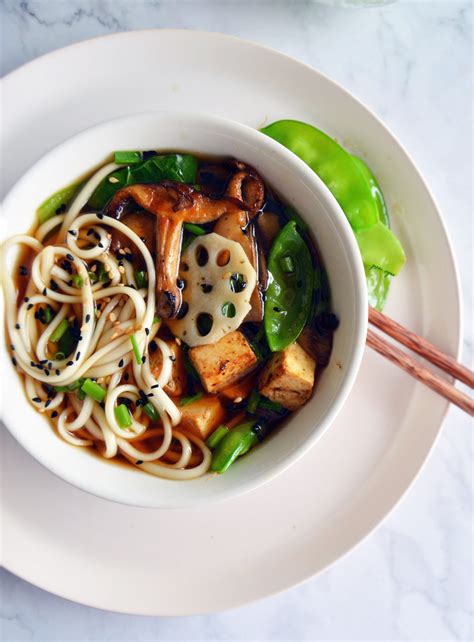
459, 328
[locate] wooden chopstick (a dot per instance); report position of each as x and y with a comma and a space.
422, 347
415, 368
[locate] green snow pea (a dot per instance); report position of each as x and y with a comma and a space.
289, 295
332, 164
357, 192
376, 192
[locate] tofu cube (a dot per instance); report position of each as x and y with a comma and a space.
223, 363
177, 384
288, 378
202, 417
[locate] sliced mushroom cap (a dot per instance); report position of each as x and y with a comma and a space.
172, 204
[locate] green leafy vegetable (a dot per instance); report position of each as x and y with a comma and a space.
175, 167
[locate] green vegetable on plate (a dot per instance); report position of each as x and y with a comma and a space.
357, 192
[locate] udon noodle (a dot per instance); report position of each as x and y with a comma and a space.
63, 257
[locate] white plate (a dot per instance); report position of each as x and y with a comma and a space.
193, 561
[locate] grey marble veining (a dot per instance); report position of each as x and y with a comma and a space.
411, 63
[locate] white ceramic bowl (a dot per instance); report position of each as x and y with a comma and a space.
300, 187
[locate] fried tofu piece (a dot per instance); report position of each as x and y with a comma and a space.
238, 391
288, 378
202, 417
177, 384
223, 363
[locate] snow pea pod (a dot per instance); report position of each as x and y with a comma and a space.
375, 190
290, 292
333, 165
357, 192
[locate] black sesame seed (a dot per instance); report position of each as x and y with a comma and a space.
126, 377
17, 326
172, 358
156, 385
45, 292
43, 361
72, 232
150, 394
54, 414
143, 359
139, 462
48, 402
147, 331
70, 363
46, 372
61, 209
97, 236
29, 306
32, 364
23, 270
78, 356
120, 363
12, 347
88, 318
99, 244
90, 231
70, 257
14, 361
36, 400
100, 216
53, 285
26, 299
58, 372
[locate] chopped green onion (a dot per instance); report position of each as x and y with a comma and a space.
69, 388
136, 349
184, 401
287, 264
60, 330
93, 390
59, 356
78, 280
194, 229
216, 436
93, 277
81, 394
253, 402
155, 320
150, 410
122, 415
128, 158
141, 277
266, 404
48, 315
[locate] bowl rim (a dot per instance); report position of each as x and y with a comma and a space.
360, 321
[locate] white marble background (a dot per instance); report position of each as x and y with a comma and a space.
409, 580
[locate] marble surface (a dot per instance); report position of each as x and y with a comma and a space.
411, 63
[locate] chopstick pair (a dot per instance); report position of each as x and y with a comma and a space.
416, 369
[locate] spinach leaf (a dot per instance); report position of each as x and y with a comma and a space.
181, 168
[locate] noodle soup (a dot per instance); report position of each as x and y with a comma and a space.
168, 311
